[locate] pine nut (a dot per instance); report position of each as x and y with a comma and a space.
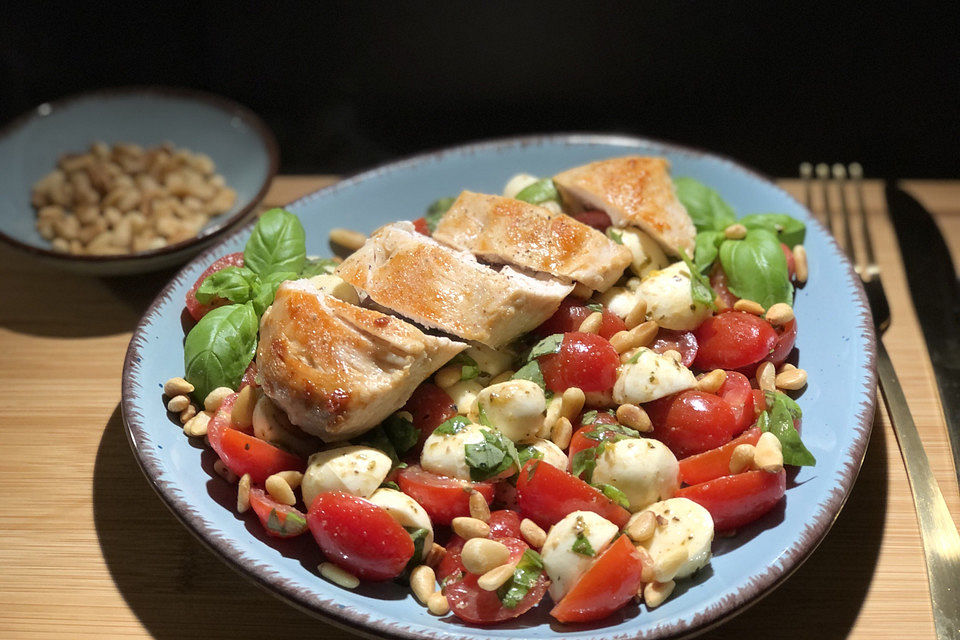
748, 306
347, 238
496, 577
437, 604
670, 563
480, 555
562, 432
554, 405
572, 402
735, 232
225, 473
786, 366
635, 417
673, 354
742, 458
215, 398
423, 582
479, 508
779, 314
241, 414
592, 323
532, 533
800, 263
243, 493
623, 341
766, 377
435, 555
503, 377
469, 528
581, 291
279, 490
196, 427
637, 315
645, 333
656, 593
642, 527
178, 404
791, 379
448, 376
292, 478
768, 455
711, 382
338, 576
187, 414
177, 387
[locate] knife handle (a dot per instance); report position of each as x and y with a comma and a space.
938, 533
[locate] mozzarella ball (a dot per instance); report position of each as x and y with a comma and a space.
444, 454
406, 511
647, 254
552, 454
464, 395
355, 469
491, 362
652, 376
337, 287
619, 300
685, 528
643, 468
515, 408
563, 565
669, 300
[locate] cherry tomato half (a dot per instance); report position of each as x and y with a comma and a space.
546, 494
733, 340
195, 308
786, 338
504, 524
714, 463
610, 582
683, 342
584, 360
737, 392
590, 435
734, 501
572, 313
692, 422
280, 520
441, 497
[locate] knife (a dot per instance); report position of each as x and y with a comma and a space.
936, 297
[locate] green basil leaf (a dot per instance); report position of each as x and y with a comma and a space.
318, 267
778, 420
615, 234
528, 452
774, 396
538, 192
757, 269
706, 208
220, 347
700, 289
789, 230
611, 432
236, 284
585, 461
635, 358
614, 494
582, 545
401, 433
267, 290
419, 537
593, 306
378, 439
456, 424
707, 249
277, 244
525, 575
589, 417
390, 484
491, 457
531, 371
436, 210
550, 344
469, 369
293, 523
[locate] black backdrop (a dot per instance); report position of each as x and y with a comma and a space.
347, 85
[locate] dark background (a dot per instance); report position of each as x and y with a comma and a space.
348, 85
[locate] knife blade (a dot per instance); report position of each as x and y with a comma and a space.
935, 292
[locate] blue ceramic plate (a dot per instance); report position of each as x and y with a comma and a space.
836, 346
241, 145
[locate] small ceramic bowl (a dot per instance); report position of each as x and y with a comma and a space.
242, 147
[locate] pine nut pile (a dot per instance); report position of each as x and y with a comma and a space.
127, 199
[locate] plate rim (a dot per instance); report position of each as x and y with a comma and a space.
344, 617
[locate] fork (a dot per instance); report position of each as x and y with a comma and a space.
938, 534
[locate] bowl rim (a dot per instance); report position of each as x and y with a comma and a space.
764, 583
222, 103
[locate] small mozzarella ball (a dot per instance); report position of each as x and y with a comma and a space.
492, 362
515, 408
406, 511
619, 300
563, 565
647, 254
552, 454
464, 395
684, 529
643, 468
336, 286
669, 300
355, 469
518, 183
444, 454
652, 376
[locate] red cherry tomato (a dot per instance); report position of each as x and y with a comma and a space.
692, 422
546, 494
737, 392
194, 307
718, 282
786, 338
280, 520
683, 342
420, 224
584, 360
441, 497
430, 407
504, 524
714, 463
608, 584
734, 501
572, 313
596, 219
791, 262
359, 536
733, 340
759, 401
590, 435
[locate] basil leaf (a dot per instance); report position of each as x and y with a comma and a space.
525, 575
531, 371
789, 230
456, 424
469, 369
773, 396
550, 344
611, 432
293, 523
635, 358
276, 244
419, 537
757, 269
582, 545
401, 433
593, 306
378, 439
778, 420
318, 267
491, 457
528, 452
236, 284
267, 289
390, 484
585, 461
219, 348
615, 234
589, 417
707, 249
540, 191
614, 494
436, 210
700, 289
706, 208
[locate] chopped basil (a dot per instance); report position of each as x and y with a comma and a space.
377, 438
403, 435
538, 192
614, 494
293, 523
528, 452
593, 306
589, 417
700, 289
419, 539
531, 371
635, 358
582, 545
525, 575
390, 484
615, 234
469, 369
491, 457
456, 424
436, 210
778, 420
550, 344
585, 461
707, 209
603, 432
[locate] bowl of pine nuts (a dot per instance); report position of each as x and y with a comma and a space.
131, 180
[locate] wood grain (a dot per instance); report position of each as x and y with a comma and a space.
87, 550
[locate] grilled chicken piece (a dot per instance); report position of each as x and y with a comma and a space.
504, 230
446, 289
633, 191
338, 369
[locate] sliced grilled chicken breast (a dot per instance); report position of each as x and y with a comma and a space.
633, 191
338, 369
504, 230
447, 289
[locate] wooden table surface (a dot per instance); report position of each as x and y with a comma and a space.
87, 550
